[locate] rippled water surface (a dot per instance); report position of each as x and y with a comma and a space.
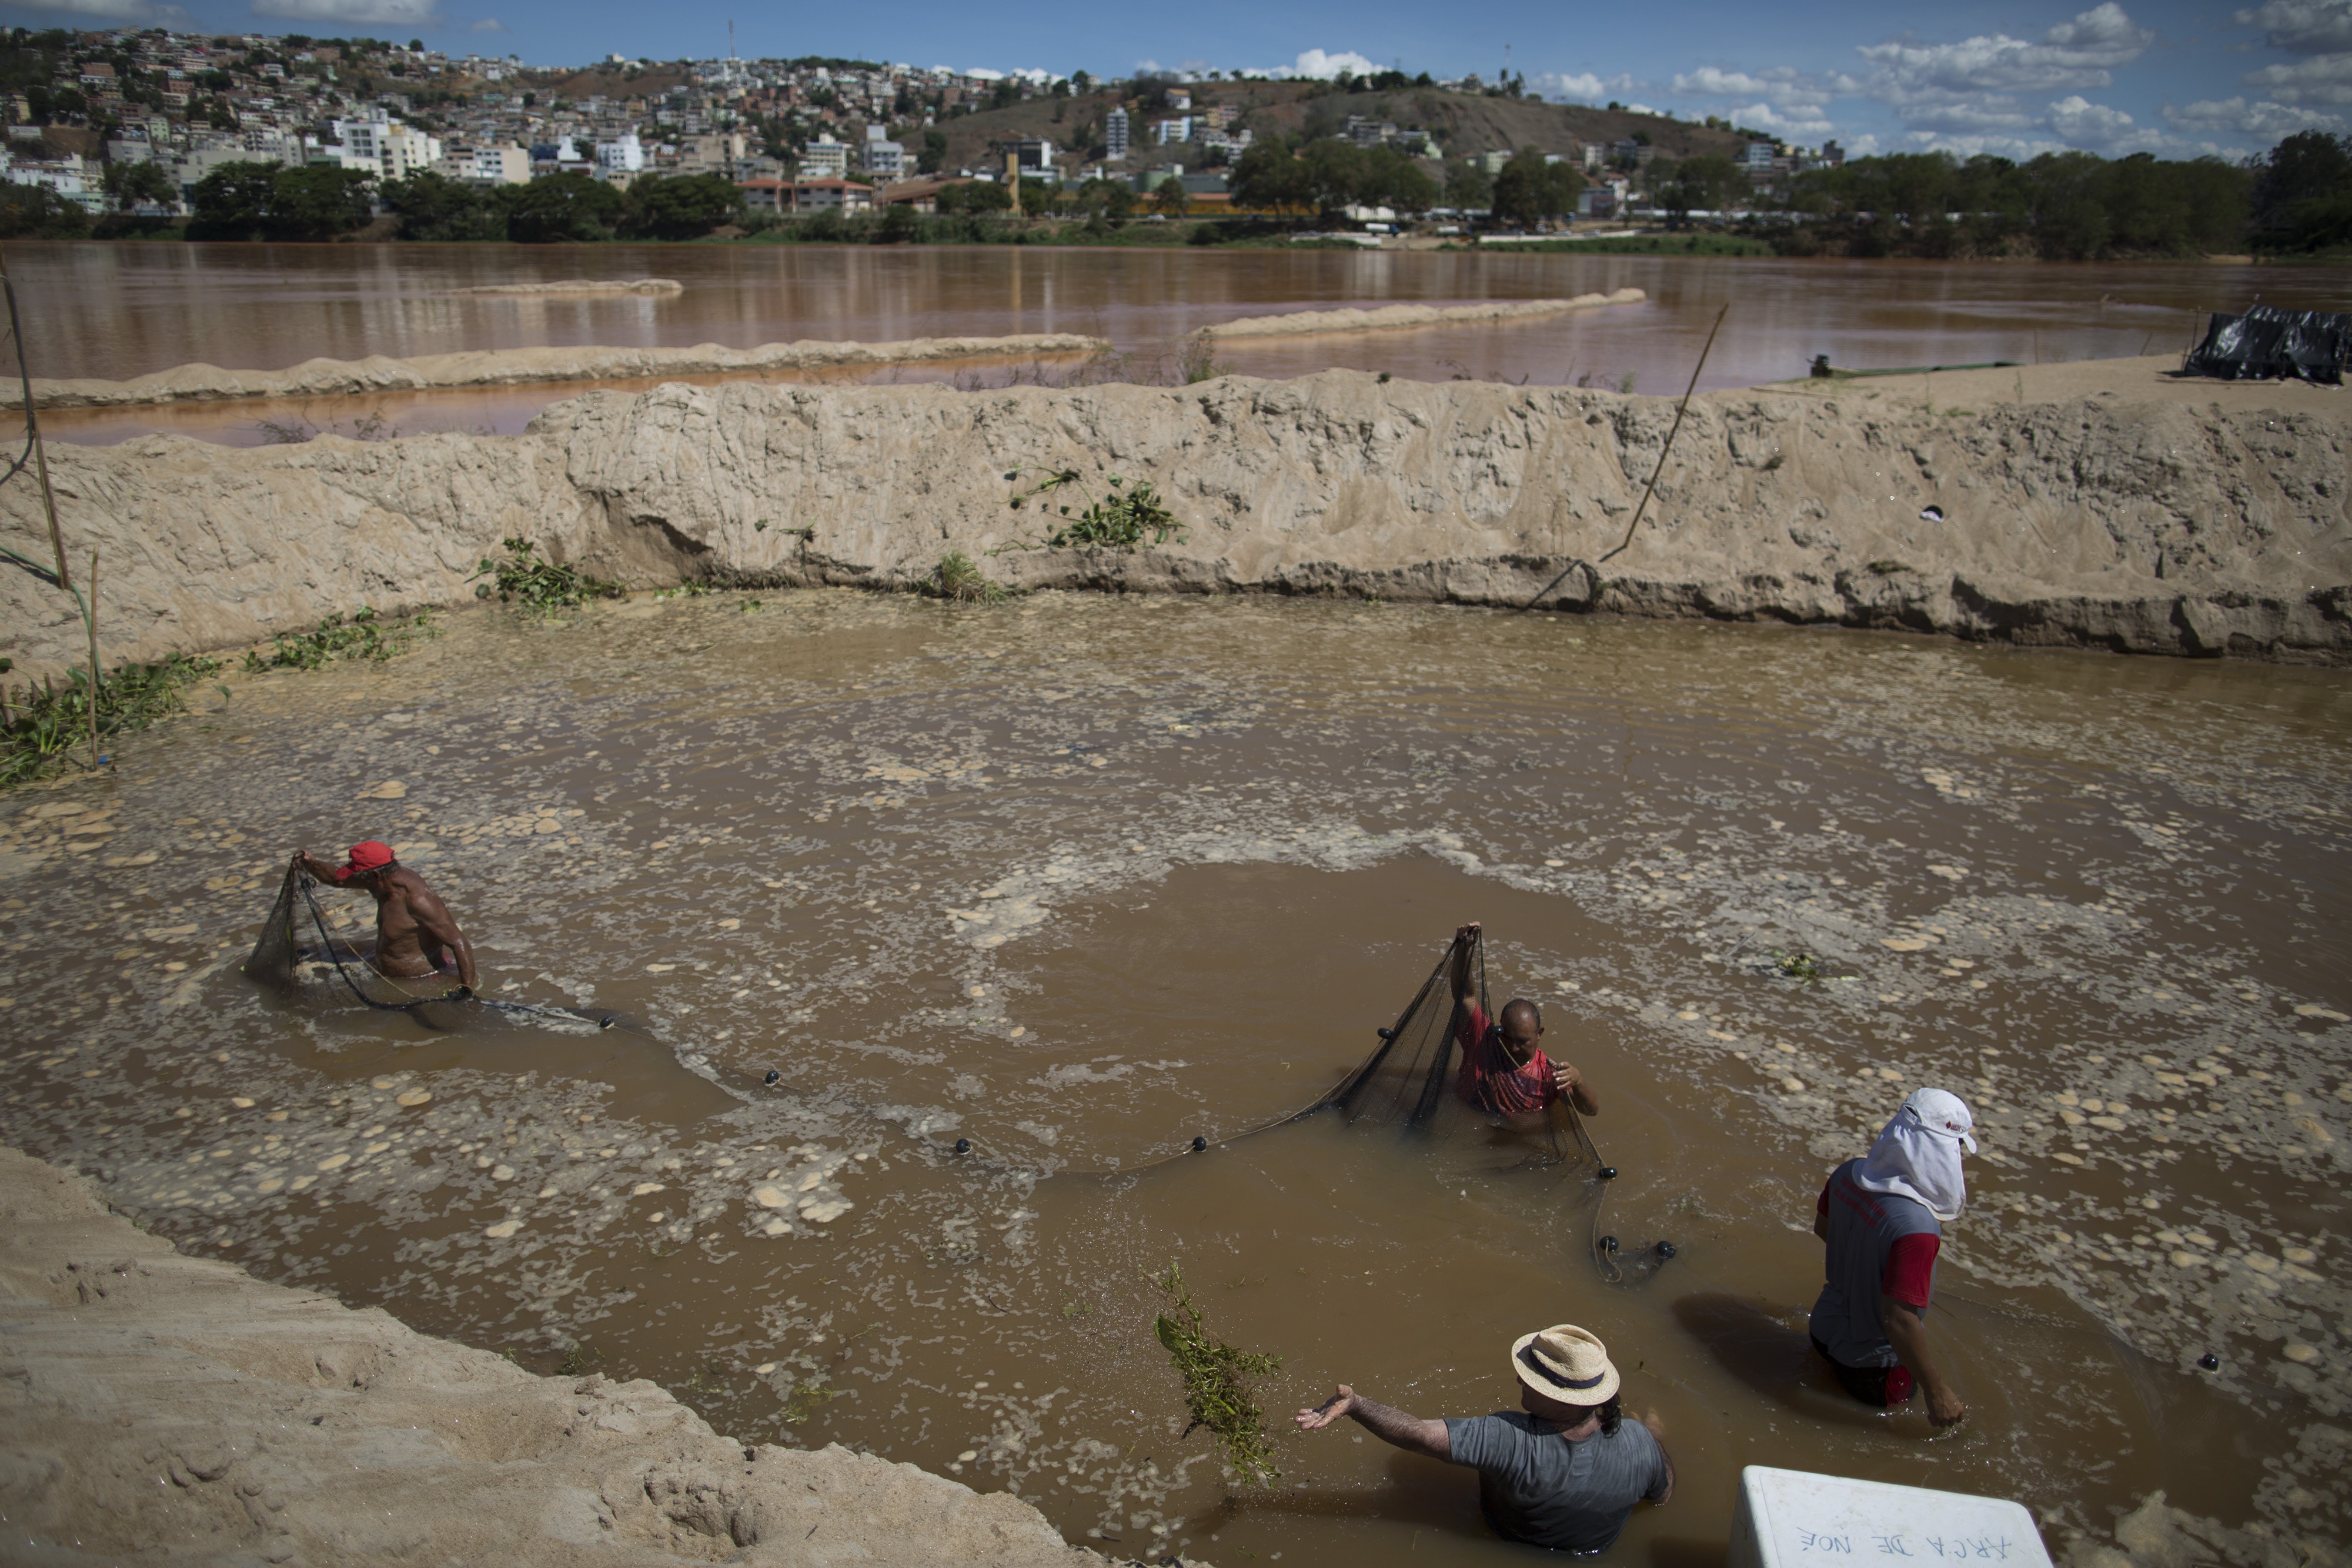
116, 311
1079, 878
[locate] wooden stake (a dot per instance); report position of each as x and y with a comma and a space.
33, 429
90, 619
1680, 409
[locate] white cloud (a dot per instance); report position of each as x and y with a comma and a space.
2321, 78
2306, 27
360, 12
2259, 120
1581, 88
1783, 87
2019, 148
487, 25
2097, 128
1639, 109
1321, 66
1801, 123
2072, 56
144, 12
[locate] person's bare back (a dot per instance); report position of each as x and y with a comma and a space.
416, 935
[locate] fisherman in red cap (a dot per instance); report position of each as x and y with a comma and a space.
416, 935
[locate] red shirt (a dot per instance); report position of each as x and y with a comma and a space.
1910, 1270
1489, 1081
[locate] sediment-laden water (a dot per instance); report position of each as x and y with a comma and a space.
1080, 878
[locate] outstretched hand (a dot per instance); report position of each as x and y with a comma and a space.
1467, 932
1330, 1410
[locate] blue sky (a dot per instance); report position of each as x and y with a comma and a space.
2176, 78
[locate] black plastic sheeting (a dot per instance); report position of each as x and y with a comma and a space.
2267, 343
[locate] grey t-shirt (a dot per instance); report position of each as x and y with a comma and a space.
1539, 1488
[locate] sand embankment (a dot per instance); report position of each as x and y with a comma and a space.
2083, 504
523, 367
582, 286
1301, 323
154, 1407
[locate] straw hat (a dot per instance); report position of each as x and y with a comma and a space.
1565, 1364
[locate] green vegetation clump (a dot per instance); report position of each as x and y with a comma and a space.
1801, 967
1119, 521
538, 587
1214, 1393
39, 725
361, 635
959, 577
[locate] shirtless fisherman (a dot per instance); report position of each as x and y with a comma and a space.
415, 935
1504, 1070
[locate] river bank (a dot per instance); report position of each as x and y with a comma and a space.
2092, 505
166, 1407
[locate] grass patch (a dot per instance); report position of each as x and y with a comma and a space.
535, 585
958, 578
40, 726
1801, 967
363, 634
1215, 1394
1120, 521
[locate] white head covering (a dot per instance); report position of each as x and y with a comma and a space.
1918, 1155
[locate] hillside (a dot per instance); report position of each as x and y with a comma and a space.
1465, 124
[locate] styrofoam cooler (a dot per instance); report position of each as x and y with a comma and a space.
1795, 1519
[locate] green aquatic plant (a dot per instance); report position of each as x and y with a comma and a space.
39, 724
1798, 967
362, 634
1215, 1394
1120, 521
523, 577
959, 577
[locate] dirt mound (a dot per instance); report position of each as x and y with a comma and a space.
1302, 322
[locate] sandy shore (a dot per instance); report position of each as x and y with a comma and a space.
159, 1408
1301, 323
584, 286
522, 367
2090, 504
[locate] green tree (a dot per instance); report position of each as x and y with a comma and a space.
685, 206
36, 212
1333, 172
436, 208
1468, 185
128, 184
233, 202
316, 202
2301, 196
934, 153
899, 225
1268, 176
561, 207
1171, 198
1707, 183
1529, 190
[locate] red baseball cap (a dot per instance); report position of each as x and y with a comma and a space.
368, 856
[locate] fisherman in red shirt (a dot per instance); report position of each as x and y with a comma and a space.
416, 935
1504, 1070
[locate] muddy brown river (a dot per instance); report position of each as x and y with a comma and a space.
1079, 878
116, 311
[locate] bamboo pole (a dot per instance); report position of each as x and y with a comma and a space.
90, 619
33, 428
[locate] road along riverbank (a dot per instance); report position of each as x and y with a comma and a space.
2091, 505
161, 1405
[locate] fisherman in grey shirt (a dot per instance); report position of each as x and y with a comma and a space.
1564, 1470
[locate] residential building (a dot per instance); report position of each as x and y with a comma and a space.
1641, 152
1036, 160
765, 195
1492, 162
922, 194
1115, 133
830, 195
883, 159
501, 165
1365, 132
825, 158
98, 78
721, 152
1179, 129
1833, 154
1759, 156
623, 154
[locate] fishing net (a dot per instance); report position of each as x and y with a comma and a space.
1407, 1085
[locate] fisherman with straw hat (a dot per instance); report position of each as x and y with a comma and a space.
1882, 1217
1564, 1470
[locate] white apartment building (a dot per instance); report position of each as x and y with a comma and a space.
882, 158
1115, 133
622, 155
507, 165
376, 143
825, 159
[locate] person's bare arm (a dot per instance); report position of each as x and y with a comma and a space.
1658, 1430
1390, 1426
1466, 939
327, 872
1907, 1331
434, 919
